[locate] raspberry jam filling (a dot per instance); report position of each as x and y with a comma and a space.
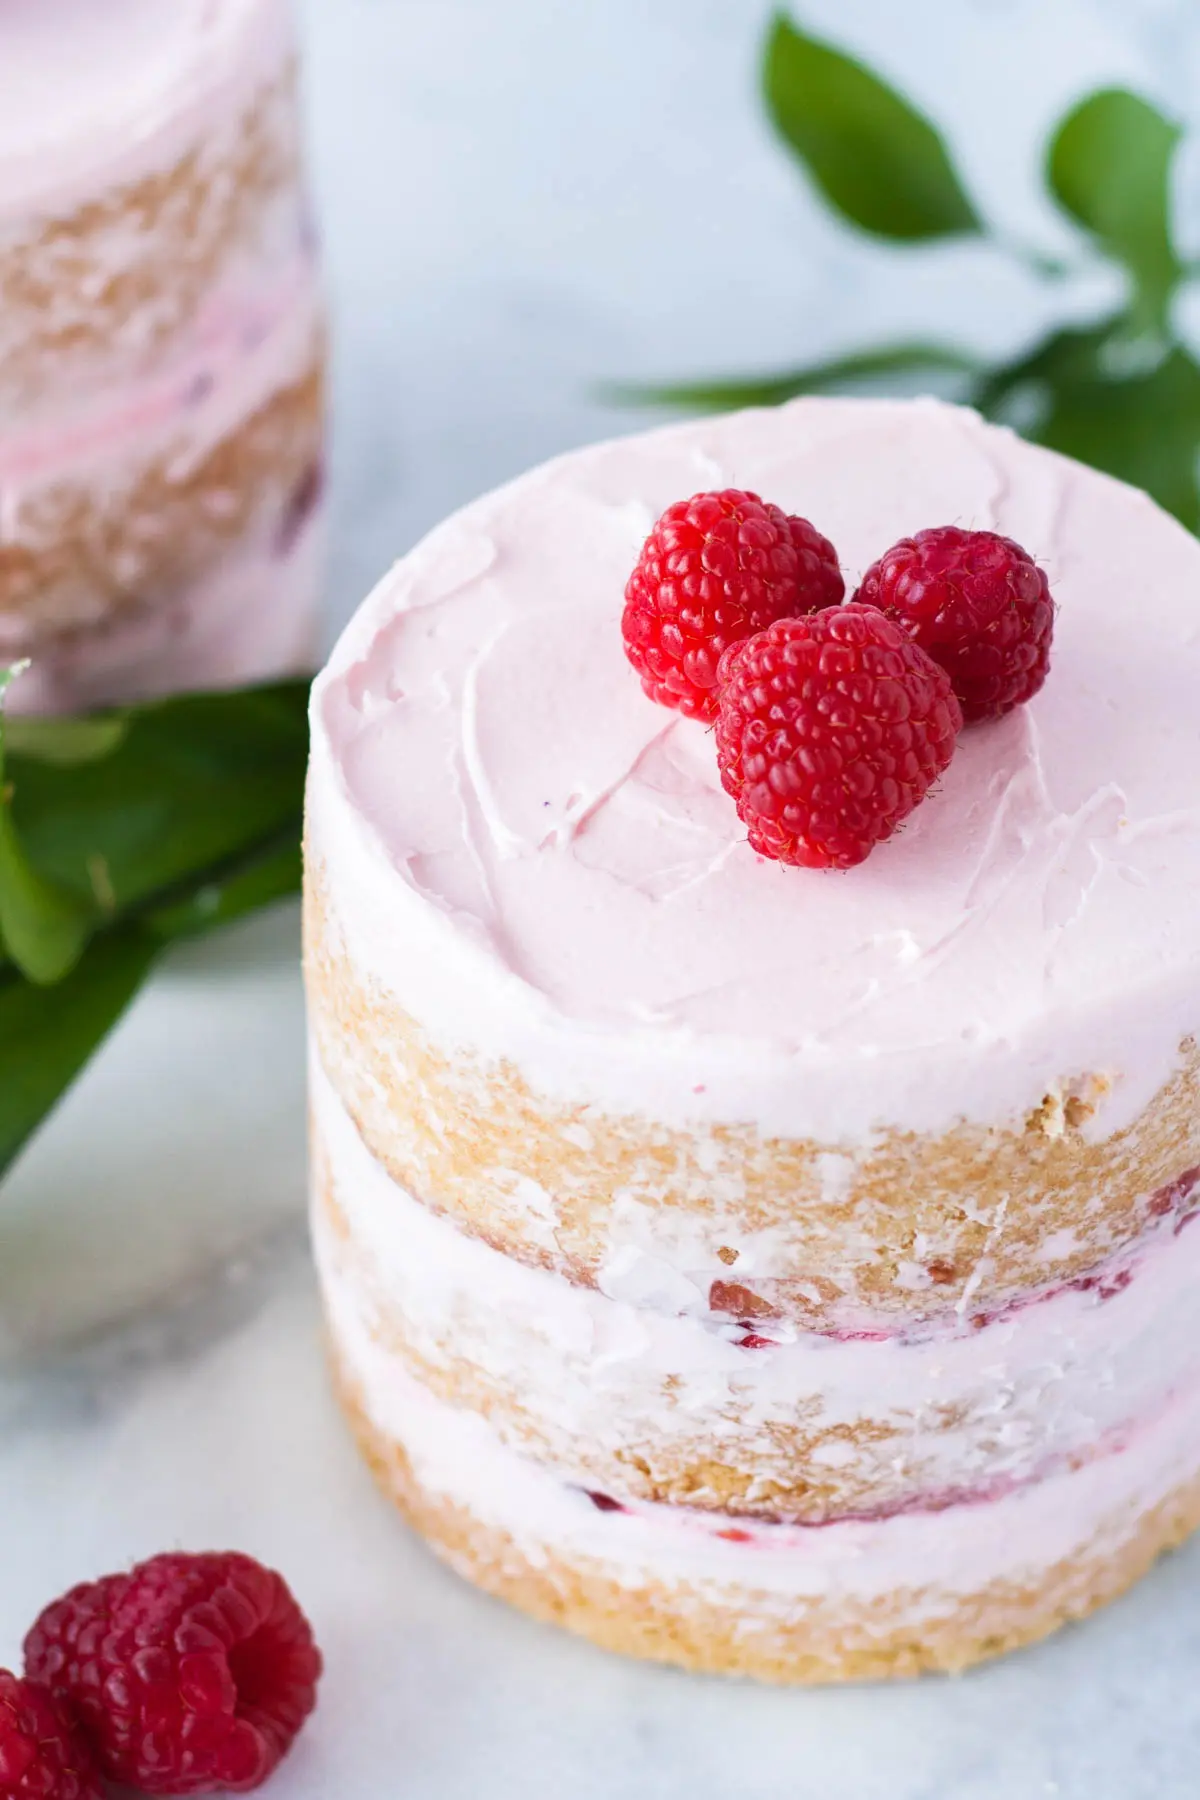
756, 1324
772, 1531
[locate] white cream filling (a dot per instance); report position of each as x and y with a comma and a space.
941, 1556
1059, 1378
176, 419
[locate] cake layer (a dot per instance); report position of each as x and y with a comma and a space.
566, 1003
663, 1399
907, 1231
149, 162
852, 1600
115, 510
161, 351
248, 616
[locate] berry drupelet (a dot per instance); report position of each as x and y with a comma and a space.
831, 729
979, 605
188, 1675
714, 570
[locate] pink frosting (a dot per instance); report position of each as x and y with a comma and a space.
99, 90
540, 863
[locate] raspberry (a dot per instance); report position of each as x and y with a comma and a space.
832, 728
41, 1755
604, 1502
715, 569
191, 1673
978, 603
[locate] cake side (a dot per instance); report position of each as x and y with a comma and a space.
161, 355
856, 1600
763, 1269
134, 226
827, 1234
129, 502
659, 1398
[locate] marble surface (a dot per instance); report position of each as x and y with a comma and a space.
491, 180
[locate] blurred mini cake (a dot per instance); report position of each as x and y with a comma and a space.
774, 1270
161, 416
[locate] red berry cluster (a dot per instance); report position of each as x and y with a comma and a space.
714, 570
978, 604
833, 718
188, 1675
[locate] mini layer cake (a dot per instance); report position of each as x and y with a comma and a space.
161, 413
771, 1270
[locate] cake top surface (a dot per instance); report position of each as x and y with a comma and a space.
90, 81
572, 837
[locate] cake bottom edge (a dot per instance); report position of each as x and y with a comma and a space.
815, 1640
251, 616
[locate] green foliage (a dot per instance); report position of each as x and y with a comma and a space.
48, 1034
269, 872
43, 927
119, 835
1094, 396
873, 155
1109, 166
918, 363
63, 741
1122, 392
191, 784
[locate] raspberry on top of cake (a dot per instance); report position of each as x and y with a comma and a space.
569, 869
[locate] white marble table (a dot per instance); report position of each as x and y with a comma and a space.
490, 177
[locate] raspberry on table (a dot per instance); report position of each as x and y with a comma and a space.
831, 729
978, 603
42, 1756
715, 569
189, 1674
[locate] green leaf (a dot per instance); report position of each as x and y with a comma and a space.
867, 369
192, 783
44, 930
1128, 406
1109, 165
43, 927
48, 1034
65, 742
272, 872
873, 155
130, 830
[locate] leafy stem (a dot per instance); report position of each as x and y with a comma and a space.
120, 835
1123, 392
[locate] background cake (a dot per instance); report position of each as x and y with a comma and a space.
773, 1271
160, 350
